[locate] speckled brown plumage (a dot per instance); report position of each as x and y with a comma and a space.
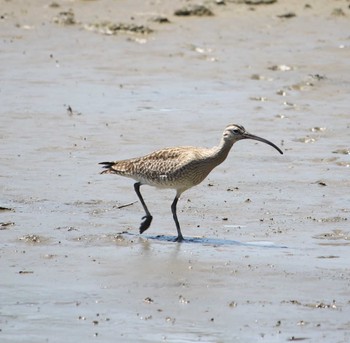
178, 168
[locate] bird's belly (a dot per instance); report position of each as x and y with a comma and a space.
163, 181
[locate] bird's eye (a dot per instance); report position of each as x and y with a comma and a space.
236, 132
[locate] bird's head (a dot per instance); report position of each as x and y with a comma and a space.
234, 133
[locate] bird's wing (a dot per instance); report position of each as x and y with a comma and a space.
158, 163
167, 160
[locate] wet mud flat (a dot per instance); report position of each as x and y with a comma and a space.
266, 255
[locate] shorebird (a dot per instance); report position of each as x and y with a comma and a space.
178, 168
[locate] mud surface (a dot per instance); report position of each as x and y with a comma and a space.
266, 257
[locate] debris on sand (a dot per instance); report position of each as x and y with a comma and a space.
160, 19
54, 5
108, 28
194, 10
306, 140
345, 151
320, 304
258, 98
259, 2
25, 272
280, 67
65, 18
287, 15
6, 225
336, 234
257, 77
232, 304
70, 111
33, 239
148, 300
318, 129
320, 183
2, 208
338, 12
318, 77
125, 205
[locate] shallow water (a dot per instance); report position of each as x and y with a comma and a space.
274, 267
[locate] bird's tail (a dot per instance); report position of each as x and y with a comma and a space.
108, 167
117, 167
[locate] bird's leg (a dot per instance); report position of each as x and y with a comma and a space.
173, 210
147, 218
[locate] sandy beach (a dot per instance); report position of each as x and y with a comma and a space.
267, 249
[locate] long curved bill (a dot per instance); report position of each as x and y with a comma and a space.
257, 138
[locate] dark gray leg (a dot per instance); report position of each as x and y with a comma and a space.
173, 210
147, 218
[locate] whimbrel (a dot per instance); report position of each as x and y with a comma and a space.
178, 168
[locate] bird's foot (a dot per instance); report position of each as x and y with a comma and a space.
179, 239
146, 223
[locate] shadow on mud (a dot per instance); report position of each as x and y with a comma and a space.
210, 241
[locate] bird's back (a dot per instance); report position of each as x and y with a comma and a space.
179, 168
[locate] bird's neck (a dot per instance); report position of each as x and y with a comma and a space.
220, 152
